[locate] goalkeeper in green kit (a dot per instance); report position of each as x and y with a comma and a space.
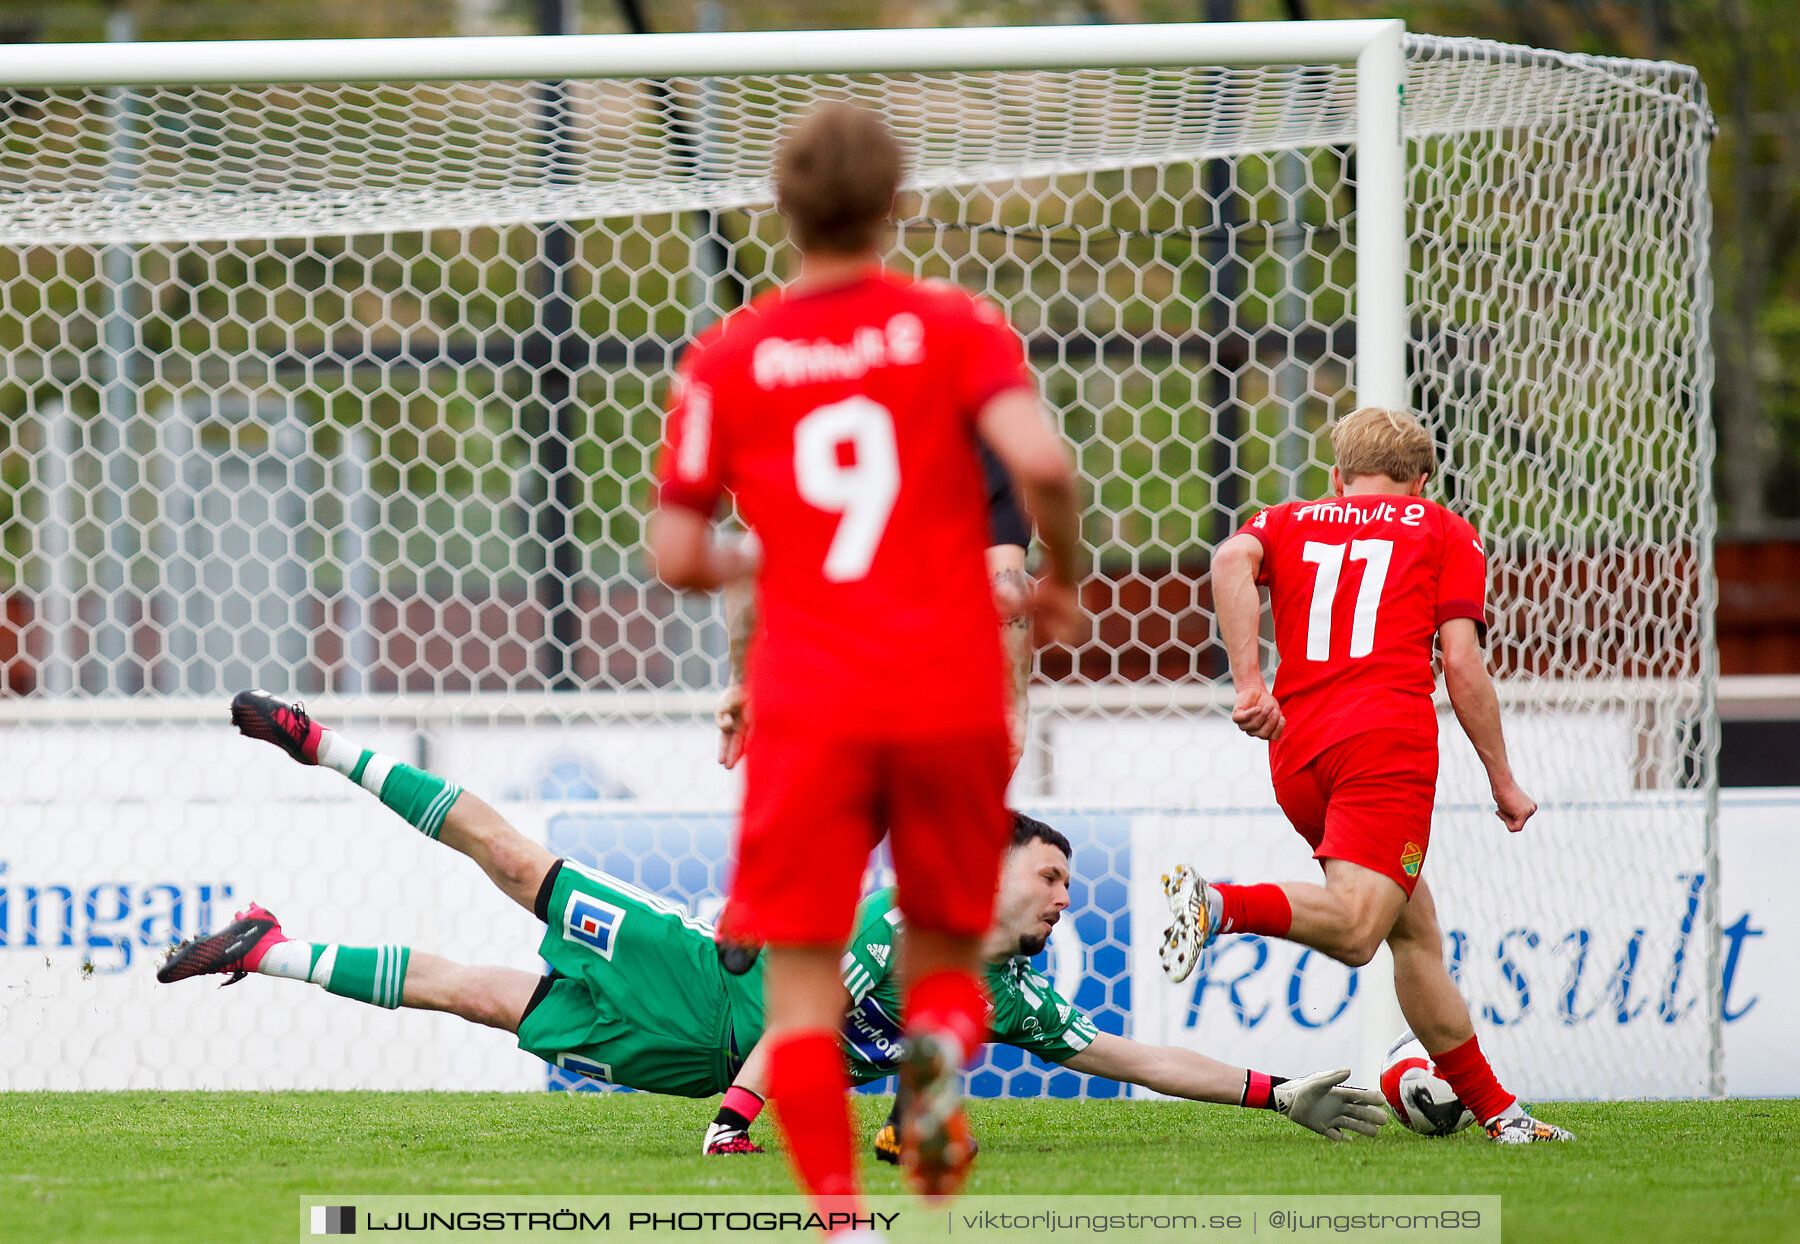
636, 996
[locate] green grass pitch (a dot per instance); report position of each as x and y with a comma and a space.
96, 1167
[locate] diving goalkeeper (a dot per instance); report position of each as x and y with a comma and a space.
636, 996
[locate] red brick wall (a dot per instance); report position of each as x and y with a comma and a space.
1759, 607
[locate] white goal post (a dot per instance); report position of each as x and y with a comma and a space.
334, 366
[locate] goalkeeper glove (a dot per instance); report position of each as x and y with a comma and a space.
1323, 1103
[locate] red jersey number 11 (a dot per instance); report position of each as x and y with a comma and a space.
861, 491
1329, 558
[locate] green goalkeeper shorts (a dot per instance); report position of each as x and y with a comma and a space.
637, 996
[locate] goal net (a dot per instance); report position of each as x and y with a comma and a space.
349, 389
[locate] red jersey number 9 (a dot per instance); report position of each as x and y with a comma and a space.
862, 491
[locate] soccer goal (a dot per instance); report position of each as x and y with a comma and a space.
335, 368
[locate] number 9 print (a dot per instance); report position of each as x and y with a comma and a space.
862, 492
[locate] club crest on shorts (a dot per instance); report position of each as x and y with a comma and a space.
592, 923
1411, 856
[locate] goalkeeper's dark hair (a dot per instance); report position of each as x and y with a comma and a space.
1029, 829
836, 174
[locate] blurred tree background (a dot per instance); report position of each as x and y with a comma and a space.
1747, 50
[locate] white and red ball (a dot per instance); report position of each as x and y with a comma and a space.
1420, 1097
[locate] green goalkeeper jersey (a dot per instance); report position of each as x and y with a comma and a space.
638, 997
1025, 1010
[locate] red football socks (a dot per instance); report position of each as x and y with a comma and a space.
1260, 909
949, 1001
807, 1084
1466, 1068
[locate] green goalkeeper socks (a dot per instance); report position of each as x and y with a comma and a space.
373, 974
424, 799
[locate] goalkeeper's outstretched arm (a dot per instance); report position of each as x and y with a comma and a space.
1320, 1102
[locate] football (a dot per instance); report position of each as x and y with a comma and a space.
1420, 1097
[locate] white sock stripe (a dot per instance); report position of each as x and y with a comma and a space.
394, 982
376, 772
384, 958
321, 972
448, 799
433, 820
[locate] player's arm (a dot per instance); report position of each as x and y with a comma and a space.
687, 556
1013, 425
1238, 607
1009, 539
1012, 597
1477, 708
685, 551
1320, 1102
733, 713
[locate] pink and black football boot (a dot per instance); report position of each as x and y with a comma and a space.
723, 1140
259, 715
234, 950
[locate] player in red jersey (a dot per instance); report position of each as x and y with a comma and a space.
1011, 541
842, 412
1360, 585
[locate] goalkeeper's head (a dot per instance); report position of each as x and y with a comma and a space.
836, 174
1034, 889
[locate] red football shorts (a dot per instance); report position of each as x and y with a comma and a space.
1367, 799
815, 806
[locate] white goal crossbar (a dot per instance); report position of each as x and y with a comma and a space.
536, 57
1374, 45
